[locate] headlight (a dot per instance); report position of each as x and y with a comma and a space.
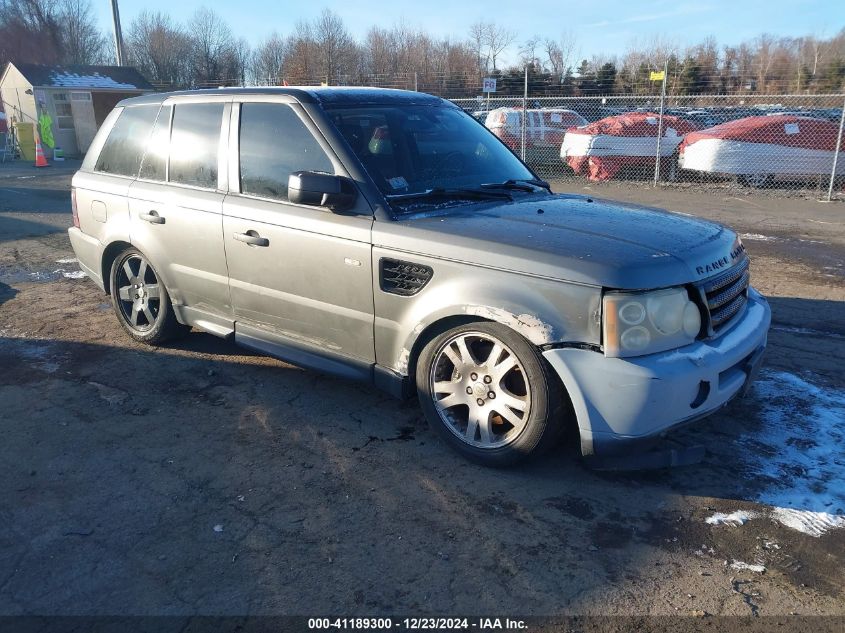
642, 323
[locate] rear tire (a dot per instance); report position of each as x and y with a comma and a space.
757, 181
489, 394
140, 300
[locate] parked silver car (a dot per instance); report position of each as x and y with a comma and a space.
387, 236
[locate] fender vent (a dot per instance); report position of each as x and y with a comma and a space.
403, 278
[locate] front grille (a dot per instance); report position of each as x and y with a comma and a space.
403, 278
725, 295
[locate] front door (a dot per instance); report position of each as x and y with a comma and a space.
300, 274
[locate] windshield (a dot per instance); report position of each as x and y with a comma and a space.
417, 149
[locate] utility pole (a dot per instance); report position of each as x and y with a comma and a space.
118, 34
836, 155
524, 116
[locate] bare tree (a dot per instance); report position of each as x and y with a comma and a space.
268, 60
212, 47
333, 44
160, 49
30, 30
82, 41
206, 52
498, 39
478, 42
561, 53
240, 57
528, 51
380, 51
301, 60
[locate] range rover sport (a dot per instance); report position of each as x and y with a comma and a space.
387, 236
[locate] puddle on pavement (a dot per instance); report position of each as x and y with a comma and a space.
65, 268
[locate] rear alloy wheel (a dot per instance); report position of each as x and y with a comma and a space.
141, 301
489, 393
757, 181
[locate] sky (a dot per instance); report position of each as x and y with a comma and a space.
606, 29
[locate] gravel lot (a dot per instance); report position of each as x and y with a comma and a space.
200, 478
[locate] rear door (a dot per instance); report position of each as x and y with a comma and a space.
299, 275
176, 208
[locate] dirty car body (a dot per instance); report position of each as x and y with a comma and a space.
387, 236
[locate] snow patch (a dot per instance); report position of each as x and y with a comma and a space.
76, 274
812, 523
798, 454
95, 80
757, 237
738, 564
806, 423
67, 260
734, 518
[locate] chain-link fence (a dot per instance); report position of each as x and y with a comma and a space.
783, 143
777, 142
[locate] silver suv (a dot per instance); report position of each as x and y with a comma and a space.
387, 236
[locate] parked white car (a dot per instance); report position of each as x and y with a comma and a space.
544, 128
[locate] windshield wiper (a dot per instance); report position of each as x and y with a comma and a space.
440, 192
519, 184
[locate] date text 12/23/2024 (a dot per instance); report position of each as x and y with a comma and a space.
417, 624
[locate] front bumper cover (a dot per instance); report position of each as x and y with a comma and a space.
625, 405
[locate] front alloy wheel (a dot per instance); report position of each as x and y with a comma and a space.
489, 393
479, 390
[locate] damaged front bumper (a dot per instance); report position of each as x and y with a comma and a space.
626, 405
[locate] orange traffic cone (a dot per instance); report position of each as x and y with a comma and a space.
40, 160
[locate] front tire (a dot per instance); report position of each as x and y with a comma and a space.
489, 394
140, 300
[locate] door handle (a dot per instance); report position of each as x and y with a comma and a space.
252, 238
152, 217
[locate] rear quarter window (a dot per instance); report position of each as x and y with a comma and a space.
123, 149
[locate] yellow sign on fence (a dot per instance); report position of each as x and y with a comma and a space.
657, 76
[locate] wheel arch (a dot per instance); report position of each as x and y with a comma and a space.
110, 253
521, 319
432, 331
114, 249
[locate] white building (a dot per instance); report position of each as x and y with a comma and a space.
77, 98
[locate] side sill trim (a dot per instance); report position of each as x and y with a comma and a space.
389, 381
303, 354
213, 324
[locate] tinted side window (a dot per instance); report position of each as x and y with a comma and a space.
122, 151
274, 143
194, 142
155, 159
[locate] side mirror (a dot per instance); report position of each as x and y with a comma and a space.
319, 189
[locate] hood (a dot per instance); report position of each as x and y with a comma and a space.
571, 238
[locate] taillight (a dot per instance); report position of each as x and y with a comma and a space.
73, 208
